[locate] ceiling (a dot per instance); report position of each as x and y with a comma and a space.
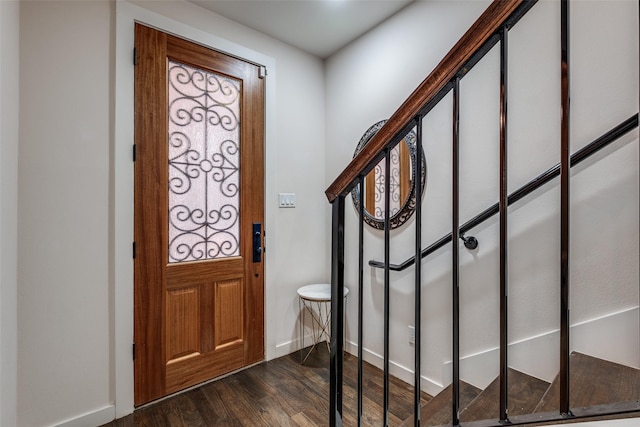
320, 27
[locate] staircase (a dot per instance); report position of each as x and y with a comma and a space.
594, 382
585, 387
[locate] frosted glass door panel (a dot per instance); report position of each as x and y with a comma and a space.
204, 158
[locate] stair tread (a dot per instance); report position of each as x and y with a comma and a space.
594, 381
438, 410
524, 392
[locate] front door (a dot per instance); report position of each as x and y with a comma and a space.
199, 208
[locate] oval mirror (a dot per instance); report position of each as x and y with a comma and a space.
402, 183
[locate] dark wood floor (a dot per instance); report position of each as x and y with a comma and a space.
284, 392
281, 392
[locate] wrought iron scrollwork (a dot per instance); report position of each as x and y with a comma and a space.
203, 164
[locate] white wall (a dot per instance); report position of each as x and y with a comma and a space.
63, 258
67, 174
9, 102
69, 182
369, 79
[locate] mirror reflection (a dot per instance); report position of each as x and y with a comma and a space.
402, 185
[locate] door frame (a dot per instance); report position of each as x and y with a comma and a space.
121, 181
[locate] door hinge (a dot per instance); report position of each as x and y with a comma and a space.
262, 73
134, 152
134, 250
134, 351
135, 56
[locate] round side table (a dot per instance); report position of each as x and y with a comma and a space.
316, 300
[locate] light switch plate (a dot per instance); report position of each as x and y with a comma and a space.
287, 200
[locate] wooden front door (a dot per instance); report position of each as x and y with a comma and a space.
199, 207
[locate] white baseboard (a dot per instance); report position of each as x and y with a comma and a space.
293, 345
91, 419
427, 385
405, 374
287, 347
614, 337
607, 337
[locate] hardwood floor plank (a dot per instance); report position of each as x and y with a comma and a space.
284, 392
241, 409
124, 422
208, 410
297, 387
276, 389
150, 416
281, 392
215, 405
301, 420
400, 393
183, 411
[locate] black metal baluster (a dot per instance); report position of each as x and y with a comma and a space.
564, 211
417, 179
337, 312
455, 235
360, 291
576, 158
387, 234
503, 204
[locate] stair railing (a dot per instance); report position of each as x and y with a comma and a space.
491, 28
471, 242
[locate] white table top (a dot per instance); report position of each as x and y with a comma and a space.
318, 292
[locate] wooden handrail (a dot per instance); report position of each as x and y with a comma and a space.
486, 25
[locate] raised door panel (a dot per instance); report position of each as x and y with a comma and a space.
183, 324
229, 320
